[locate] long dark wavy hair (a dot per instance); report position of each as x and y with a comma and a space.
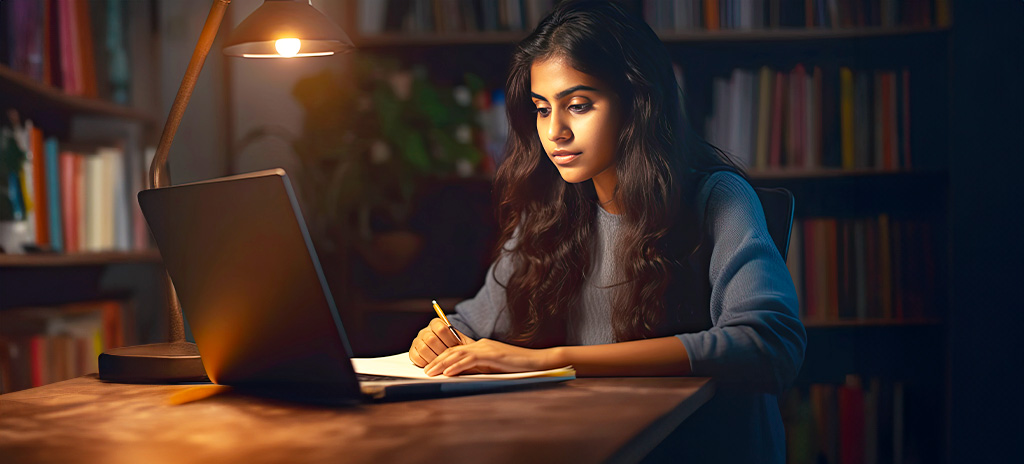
659, 161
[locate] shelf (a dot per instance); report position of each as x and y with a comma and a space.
787, 34
78, 259
35, 95
832, 173
915, 322
397, 39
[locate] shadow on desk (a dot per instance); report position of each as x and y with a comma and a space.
583, 420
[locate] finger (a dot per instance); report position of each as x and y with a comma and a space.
433, 342
424, 351
443, 334
438, 364
416, 359
462, 366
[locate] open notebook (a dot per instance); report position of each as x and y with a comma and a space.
254, 294
398, 368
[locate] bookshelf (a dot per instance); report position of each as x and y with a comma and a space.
78, 262
868, 351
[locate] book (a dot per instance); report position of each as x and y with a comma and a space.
766, 84
39, 190
53, 194
846, 117
52, 343
399, 365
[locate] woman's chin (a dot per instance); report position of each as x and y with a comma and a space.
573, 176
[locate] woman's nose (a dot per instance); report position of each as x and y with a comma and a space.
557, 129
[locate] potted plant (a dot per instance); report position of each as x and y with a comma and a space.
12, 158
369, 138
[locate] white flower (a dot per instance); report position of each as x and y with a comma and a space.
464, 134
380, 152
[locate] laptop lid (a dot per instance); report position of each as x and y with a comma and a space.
250, 284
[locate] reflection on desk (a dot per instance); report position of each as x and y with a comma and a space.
583, 420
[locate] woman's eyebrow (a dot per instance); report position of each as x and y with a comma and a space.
559, 95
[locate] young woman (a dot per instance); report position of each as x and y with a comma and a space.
630, 246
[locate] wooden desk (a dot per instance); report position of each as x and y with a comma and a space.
584, 420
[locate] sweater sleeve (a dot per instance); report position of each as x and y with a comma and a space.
485, 315
757, 339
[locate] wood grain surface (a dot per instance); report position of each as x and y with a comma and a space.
584, 420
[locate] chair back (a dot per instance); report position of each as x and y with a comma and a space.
778, 205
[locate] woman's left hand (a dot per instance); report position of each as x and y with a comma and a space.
488, 356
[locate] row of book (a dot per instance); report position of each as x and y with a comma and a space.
45, 345
84, 47
874, 268
714, 15
75, 200
450, 16
852, 423
812, 117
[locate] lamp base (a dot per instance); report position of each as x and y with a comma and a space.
156, 363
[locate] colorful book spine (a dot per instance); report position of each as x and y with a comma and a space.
53, 194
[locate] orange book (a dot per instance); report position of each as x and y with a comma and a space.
42, 216
812, 272
113, 331
86, 58
711, 17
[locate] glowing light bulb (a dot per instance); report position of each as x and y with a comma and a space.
287, 47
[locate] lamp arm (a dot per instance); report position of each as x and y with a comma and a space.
158, 176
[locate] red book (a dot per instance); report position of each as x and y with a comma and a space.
67, 195
39, 358
42, 217
775, 154
832, 267
851, 423
906, 118
874, 271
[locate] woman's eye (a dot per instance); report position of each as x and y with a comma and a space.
543, 112
580, 108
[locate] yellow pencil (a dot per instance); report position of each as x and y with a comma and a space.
440, 313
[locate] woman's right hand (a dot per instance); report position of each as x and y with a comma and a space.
432, 341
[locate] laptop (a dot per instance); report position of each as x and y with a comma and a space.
255, 297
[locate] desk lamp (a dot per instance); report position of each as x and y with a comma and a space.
277, 29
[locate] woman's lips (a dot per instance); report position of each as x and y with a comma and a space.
563, 157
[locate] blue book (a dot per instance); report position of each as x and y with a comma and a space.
51, 149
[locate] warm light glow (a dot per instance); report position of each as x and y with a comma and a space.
288, 47
275, 55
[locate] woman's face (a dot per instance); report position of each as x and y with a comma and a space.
578, 121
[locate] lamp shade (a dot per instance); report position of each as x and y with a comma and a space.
284, 29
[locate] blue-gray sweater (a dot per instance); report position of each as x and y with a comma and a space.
755, 344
